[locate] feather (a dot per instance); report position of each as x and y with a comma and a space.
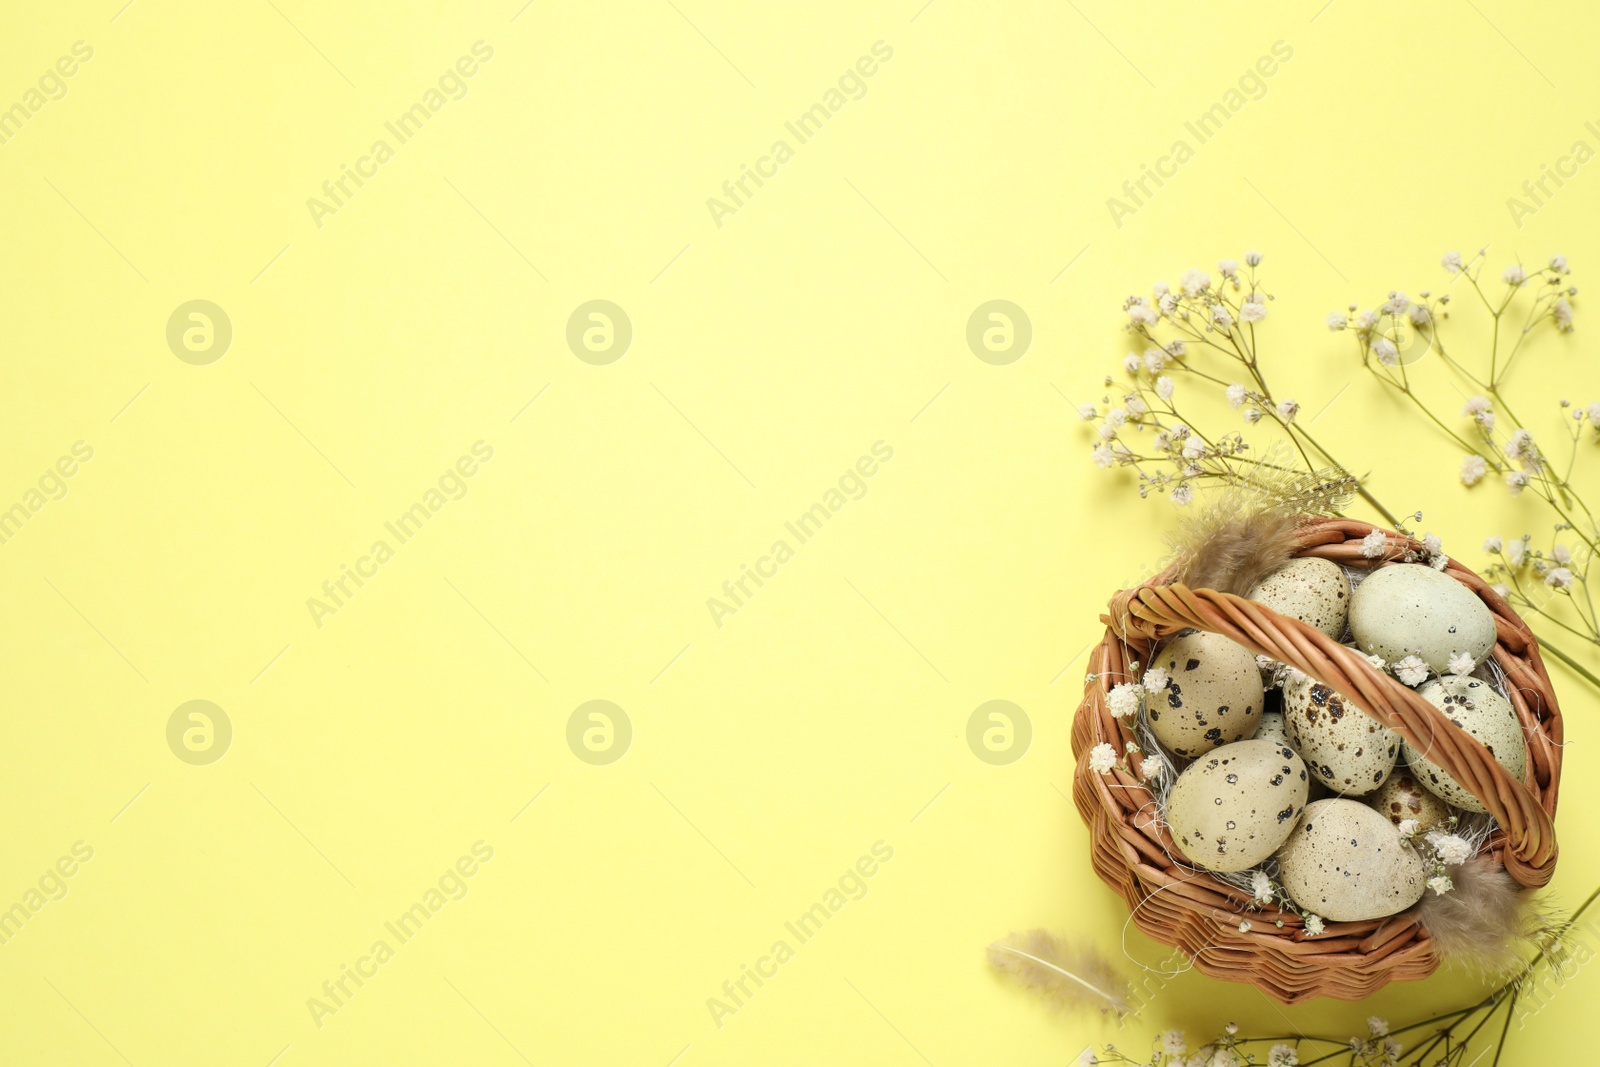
1067, 976
1244, 532
1485, 921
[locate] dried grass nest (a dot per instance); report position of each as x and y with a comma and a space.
1200, 912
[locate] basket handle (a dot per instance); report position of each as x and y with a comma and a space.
1152, 612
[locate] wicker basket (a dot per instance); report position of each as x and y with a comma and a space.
1201, 914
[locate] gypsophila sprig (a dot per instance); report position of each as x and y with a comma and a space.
1496, 444
1206, 336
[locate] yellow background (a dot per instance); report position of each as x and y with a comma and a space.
768, 354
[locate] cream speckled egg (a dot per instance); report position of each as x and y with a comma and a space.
1407, 609
1471, 705
1214, 696
1402, 797
1234, 806
1347, 750
1345, 862
1270, 728
1315, 591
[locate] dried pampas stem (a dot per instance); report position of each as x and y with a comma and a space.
1243, 533
1068, 976
1485, 921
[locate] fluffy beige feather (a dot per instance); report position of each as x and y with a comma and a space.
1067, 976
1237, 536
1486, 921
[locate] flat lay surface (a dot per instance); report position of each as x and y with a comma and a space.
524, 517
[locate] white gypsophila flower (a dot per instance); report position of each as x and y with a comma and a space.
1452, 849
1106, 431
1374, 544
1558, 578
1392, 1050
1431, 544
1377, 1025
1228, 268
1136, 404
1252, 311
1174, 1042
1411, 670
1154, 360
1561, 554
1475, 406
1183, 495
1593, 411
1162, 289
1439, 562
1226, 1057
1231, 1028
1142, 314
1252, 416
1283, 1056
1560, 264
1164, 387
1168, 303
1131, 364
1386, 352
1515, 275
1123, 700
1517, 551
1088, 412
1493, 545
1155, 679
1452, 262
1516, 482
1253, 258
1193, 448
1176, 349
1102, 456
1102, 758
1244, 926
1440, 884
1194, 281
1397, 304
1561, 312
1221, 316
1520, 446
1261, 887
1486, 420
1150, 768
1337, 320
1461, 663
1377, 662
1314, 925
1087, 1058
1419, 315
1117, 416
1288, 409
1501, 589
1473, 468
1408, 828
1235, 395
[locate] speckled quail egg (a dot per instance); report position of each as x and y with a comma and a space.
1234, 806
1315, 591
1402, 797
1472, 705
1347, 750
1407, 609
1270, 728
1345, 862
1213, 697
